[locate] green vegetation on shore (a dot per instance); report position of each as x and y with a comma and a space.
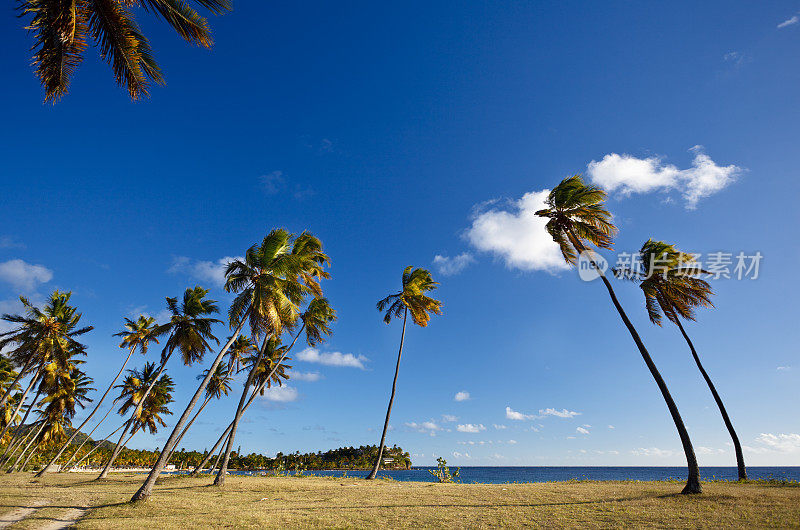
182, 502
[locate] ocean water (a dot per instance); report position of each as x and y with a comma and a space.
501, 475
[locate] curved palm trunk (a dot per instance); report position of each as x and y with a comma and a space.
14, 465
30, 455
19, 405
22, 373
736, 445
147, 488
188, 426
89, 417
66, 466
212, 452
377, 465
130, 422
223, 469
18, 430
18, 444
693, 479
97, 446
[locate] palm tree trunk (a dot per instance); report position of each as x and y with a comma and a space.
14, 465
30, 455
97, 445
223, 469
147, 488
693, 479
89, 417
377, 465
132, 420
188, 425
213, 451
736, 444
18, 430
66, 467
21, 402
216, 462
19, 443
20, 375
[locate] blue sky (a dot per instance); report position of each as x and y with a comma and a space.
405, 132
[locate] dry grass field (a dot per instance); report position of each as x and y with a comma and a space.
59, 501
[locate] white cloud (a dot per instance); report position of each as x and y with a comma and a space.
628, 174
456, 454
281, 394
709, 451
425, 427
652, 451
785, 443
313, 355
518, 236
449, 266
582, 430
784, 368
449, 418
470, 427
563, 413
789, 22
24, 276
611, 427
207, 271
306, 376
512, 442
461, 396
518, 416
499, 427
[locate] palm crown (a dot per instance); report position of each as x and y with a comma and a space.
220, 382
670, 284
133, 388
190, 325
577, 217
412, 297
62, 30
139, 333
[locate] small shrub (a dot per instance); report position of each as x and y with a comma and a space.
443, 474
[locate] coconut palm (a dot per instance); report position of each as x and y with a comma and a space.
190, 329
63, 30
219, 385
671, 286
411, 298
577, 220
137, 335
41, 336
316, 319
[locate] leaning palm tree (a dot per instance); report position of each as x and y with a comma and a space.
411, 298
577, 220
190, 330
669, 280
137, 335
63, 30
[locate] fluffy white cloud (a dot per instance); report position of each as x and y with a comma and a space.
313, 355
461, 396
306, 376
785, 443
582, 430
471, 427
543, 413
652, 451
789, 22
563, 413
207, 271
518, 416
24, 276
499, 427
784, 368
425, 427
449, 266
449, 418
517, 236
628, 174
709, 451
281, 394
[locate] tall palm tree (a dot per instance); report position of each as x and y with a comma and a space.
317, 319
577, 219
671, 286
219, 385
62, 31
137, 335
42, 336
190, 329
268, 294
294, 273
411, 298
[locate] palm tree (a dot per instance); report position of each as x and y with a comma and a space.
410, 299
137, 335
668, 279
219, 385
62, 31
316, 319
41, 336
268, 294
577, 220
279, 277
189, 331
